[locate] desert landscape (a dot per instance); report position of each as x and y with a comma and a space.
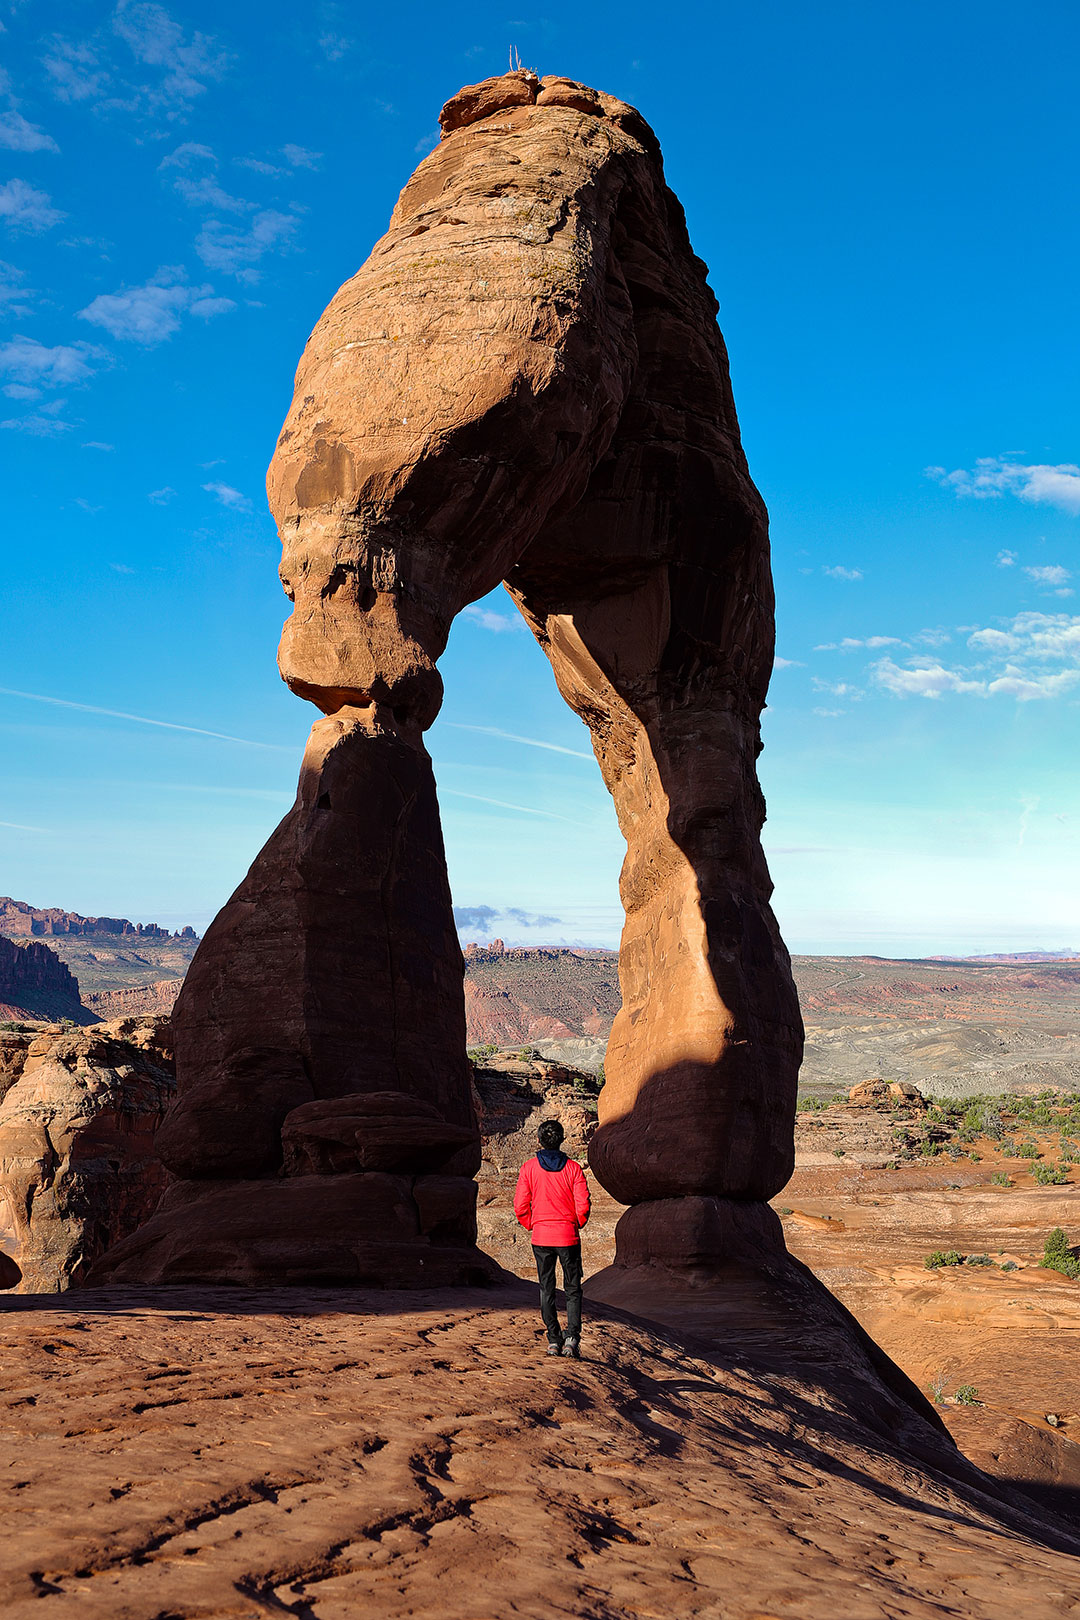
270, 1215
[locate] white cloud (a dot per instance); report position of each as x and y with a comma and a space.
925, 680
1006, 559
1020, 653
1052, 577
489, 620
177, 67
151, 313
19, 136
187, 154
156, 40
787, 663
837, 572
34, 366
852, 643
206, 193
236, 249
232, 498
298, 157
829, 714
995, 476
75, 71
38, 425
96, 444
162, 497
25, 208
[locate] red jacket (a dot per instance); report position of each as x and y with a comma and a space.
552, 1205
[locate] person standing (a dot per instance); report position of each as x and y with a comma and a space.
551, 1202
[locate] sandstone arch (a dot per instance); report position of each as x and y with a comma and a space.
524, 382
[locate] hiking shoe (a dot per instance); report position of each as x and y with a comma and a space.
570, 1348
555, 1348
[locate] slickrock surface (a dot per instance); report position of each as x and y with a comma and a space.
209, 1453
78, 1113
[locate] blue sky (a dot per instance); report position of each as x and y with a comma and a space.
886, 201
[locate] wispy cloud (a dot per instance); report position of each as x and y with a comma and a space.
25, 208
995, 476
1006, 559
838, 572
151, 313
511, 736
503, 804
162, 497
488, 619
853, 643
20, 826
298, 157
140, 719
1051, 576
32, 367
163, 71
787, 663
236, 250
487, 917
19, 136
234, 499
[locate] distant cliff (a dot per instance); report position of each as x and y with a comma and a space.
19, 921
34, 983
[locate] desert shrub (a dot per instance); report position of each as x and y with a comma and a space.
475, 1053
937, 1387
785, 1210
1027, 1150
1001, 1178
1046, 1176
967, 1395
943, 1257
600, 1074
976, 1158
978, 1260
1009, 1265
1057, 1255
838, 1153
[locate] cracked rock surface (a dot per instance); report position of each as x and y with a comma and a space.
204, 1453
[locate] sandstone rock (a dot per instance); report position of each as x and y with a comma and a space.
869, 1092
34, 983
477, 101
525, 382
331, 1230
382, 1130
78, 1169
902, 1091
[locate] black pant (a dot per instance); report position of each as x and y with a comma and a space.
571, 1271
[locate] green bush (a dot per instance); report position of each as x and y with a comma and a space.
1046, 1176
1057, 1255
1028, 1150
1001, 1178
978, 1260
1009, 1265
943, 1257
967, 1395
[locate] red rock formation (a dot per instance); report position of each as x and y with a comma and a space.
17, 919
78, 1168
525, 382
34, 983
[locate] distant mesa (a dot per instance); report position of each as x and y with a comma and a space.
19, 920
34, 983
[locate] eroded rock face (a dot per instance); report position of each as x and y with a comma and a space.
78, 1169
524, 382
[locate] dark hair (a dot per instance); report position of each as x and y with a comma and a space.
550, 1133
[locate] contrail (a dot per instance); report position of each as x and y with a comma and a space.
19, 826
140, 719
526, 809
510, 736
